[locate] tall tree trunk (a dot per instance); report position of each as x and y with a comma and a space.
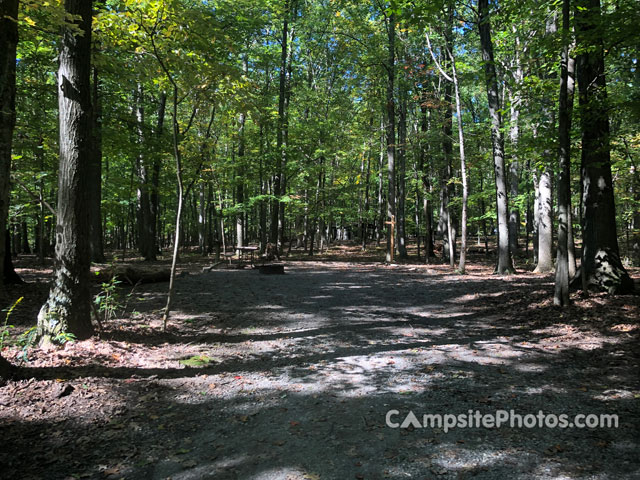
278, 180
453, 78
445, 225
155, 176
601, 266
202, 219
402, 170
545, 220
263, 191
67, 310
176, 245
8, 44
240, 233
504, 263
545, 223
391, 134
571, 82
514, 136
463, 167
426, 179
381, 207
96, 245
154, 194
561, 294
145, 219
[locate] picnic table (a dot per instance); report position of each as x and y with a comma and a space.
250, 250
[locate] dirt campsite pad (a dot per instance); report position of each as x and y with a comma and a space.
293, 377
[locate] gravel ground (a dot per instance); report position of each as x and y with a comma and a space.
292, 377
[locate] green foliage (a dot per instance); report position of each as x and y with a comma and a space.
108, 300
224, 57
5, 329
196, 361
26, 340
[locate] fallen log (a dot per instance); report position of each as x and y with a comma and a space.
134, 274
271, 268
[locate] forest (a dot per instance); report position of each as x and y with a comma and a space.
452, 175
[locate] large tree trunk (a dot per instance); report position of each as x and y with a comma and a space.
504, 264
8, 43
67, 310
545, 224
561, 294
601, 266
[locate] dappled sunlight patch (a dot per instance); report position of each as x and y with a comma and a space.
458, 458
618, 394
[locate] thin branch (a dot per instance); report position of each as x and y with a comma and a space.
35, 197
435, 60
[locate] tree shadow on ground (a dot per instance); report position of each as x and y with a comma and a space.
302, 391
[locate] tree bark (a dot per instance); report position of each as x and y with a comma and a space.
176, 245
402, 169
8, 44
278, 180
68, 308
426, 181
561, 293
240, 233
155, 176
145, 218
391, 132
545, 223
453, 78
504, 263
601, 266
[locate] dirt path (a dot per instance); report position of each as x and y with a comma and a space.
292, 376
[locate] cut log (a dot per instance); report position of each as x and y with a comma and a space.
134, 275
272, 268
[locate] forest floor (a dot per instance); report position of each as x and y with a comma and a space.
291, 377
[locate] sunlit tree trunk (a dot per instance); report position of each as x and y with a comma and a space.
504, 263
67, 310
514, 137
240, 231
601, 266
545, 223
